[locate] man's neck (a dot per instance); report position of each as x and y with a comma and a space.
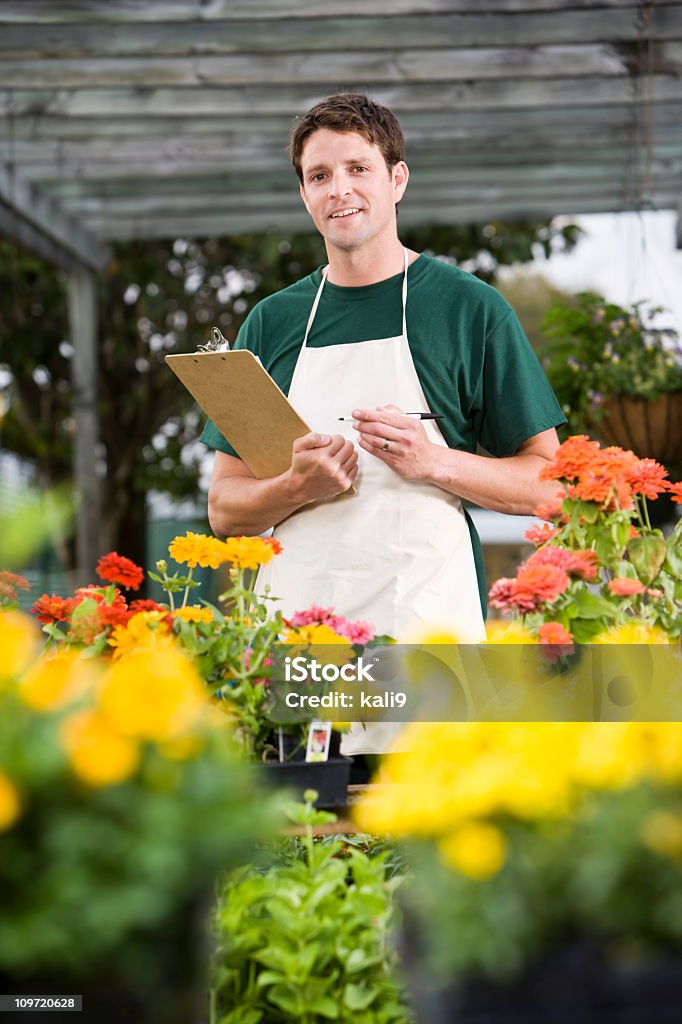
353, 269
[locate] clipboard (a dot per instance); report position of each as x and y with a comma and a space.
247, 407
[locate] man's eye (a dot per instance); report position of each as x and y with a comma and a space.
317, 177
359, 168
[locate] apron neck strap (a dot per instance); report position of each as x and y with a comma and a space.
316, 303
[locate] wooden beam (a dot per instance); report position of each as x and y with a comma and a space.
466, 211
43, 216
19, 123
140, 11
678, 226
27, 237
503, 94
82, 302
185, 158
373, 67
305, 34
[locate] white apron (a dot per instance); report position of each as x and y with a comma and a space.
397, 553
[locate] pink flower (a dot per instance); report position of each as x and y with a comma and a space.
313, 616
538, 535
576, 563
500, 594
358, 632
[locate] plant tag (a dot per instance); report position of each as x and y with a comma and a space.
319, 736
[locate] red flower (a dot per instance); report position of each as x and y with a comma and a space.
114, 614
53, 608
623, 586
274, 544
98, 594
145, 604
647, 477
538, 584
118, 569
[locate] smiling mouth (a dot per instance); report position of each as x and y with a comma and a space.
344, 213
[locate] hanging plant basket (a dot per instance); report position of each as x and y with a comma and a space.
652, 428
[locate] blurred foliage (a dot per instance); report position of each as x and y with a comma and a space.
531, 295
161, 297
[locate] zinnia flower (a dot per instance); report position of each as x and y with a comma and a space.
116, 568
145, 629
193, 613
571, 460
583, 564
551, 509
554, 633
675, 491
538, 584
538, 535
52, 608
647, 477
10, 583
623, 586
99, 754
197, 549
251, 552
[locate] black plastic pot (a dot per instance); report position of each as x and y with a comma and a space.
329, 778
576, 984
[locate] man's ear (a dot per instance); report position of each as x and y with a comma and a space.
305, 202
400, 175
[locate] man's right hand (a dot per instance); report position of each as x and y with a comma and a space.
322, 466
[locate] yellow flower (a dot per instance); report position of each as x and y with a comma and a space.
98, 754
153, 694
498, 632
9, 803
56, 680
662, 833
251, 552
633, 633
193, 613
313, 635
145, 629
476, 849
18, 642
197, 549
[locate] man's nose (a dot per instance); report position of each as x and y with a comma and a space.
339, 185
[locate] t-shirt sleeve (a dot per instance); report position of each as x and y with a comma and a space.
515, 400
246, 338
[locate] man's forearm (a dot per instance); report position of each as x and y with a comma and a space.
243, 505
508, 485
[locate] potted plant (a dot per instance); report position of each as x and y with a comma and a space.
230, 645
544, 864
617, 374
598, 563
308, 937
122, 798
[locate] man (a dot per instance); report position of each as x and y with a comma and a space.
369, 514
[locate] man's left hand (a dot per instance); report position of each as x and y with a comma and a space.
398, 440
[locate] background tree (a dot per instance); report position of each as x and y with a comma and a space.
161, 297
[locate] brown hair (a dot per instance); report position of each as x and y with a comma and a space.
350, 112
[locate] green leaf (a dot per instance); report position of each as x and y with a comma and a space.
359, 997
647, 554
592, 606
673, 561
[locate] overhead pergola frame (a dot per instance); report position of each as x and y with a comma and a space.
128, 119
139, 119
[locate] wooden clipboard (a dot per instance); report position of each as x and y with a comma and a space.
246, 405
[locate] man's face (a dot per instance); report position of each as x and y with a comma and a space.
348, 190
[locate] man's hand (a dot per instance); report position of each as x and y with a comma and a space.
322, 466
409, 451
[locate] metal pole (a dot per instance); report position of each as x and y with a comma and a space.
82, 294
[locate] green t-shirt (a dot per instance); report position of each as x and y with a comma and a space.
473, 360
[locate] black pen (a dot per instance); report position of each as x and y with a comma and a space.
414, 415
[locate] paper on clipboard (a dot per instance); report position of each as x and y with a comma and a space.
247, 407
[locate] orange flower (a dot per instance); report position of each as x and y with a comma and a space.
647, 477
538, 584
571, 460
117, 569
554, 633
623, 586
551, 509
53, 608
676, 491
10, 583
538, 535
583, 564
